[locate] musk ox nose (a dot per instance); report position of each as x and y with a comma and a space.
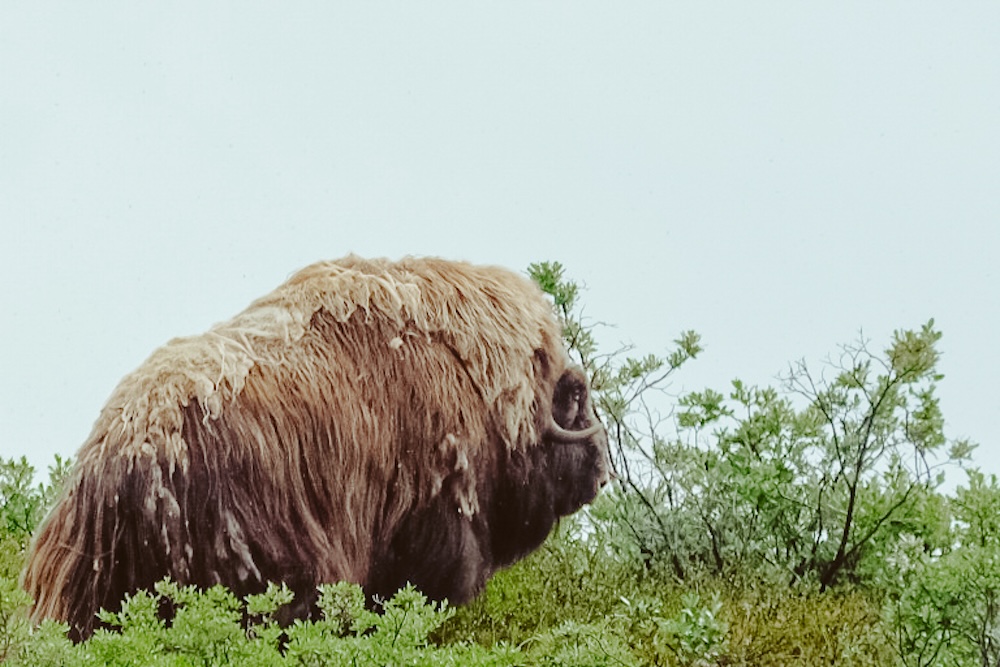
608, 473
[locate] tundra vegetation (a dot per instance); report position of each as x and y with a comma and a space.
803, 523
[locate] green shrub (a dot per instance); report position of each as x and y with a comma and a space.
209, 628
943, 605
23, 504
570, 578
775, 627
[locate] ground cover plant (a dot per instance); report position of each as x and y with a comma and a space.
803, 523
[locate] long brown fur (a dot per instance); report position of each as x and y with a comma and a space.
370, 421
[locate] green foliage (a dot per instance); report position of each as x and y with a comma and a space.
549, 276
621, 381
944, 605
697, 634
23, 503
879, 425
350, 634
827, 481
812, 482
694, 636
775, 627
15, 628
570, 578
211, 628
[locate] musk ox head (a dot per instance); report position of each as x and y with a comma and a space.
369, 421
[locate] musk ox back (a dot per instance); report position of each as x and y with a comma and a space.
369, 421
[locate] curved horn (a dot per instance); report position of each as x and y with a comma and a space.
560, 434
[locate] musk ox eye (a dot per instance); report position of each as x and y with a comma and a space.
572, 418
569, 398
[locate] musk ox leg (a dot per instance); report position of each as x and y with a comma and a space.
523, 511
439, 551
110, 534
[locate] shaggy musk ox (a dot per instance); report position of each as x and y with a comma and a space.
368, 421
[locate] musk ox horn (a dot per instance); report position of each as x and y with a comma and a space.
559, 434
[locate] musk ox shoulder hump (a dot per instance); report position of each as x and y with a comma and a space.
493, 318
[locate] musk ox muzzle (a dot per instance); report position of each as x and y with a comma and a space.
369, 421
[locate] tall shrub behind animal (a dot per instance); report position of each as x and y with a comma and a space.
368, 421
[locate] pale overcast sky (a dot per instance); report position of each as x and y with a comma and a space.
776, 176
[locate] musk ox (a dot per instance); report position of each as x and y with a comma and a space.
368, 421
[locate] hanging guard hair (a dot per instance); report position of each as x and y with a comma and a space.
368, 421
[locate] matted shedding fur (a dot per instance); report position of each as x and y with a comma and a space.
298, 440
494, 319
